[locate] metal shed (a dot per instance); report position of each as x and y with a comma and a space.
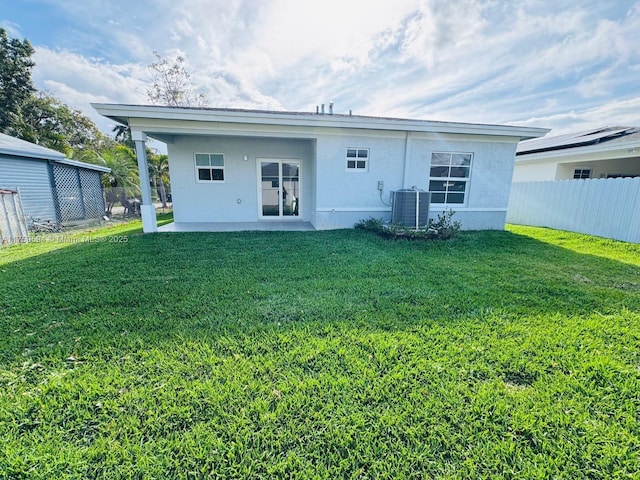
52, 187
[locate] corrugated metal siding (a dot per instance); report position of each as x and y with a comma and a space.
604, 207
31, 178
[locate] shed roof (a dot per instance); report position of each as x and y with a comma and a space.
20, 148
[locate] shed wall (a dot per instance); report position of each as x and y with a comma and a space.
31, 178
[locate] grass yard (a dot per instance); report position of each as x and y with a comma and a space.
320, 355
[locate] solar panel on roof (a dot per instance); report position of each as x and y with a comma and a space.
566, 141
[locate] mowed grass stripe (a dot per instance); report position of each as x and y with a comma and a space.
320, 355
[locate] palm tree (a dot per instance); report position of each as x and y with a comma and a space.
123, 182
159, 174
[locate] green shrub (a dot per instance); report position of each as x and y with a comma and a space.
371, 224
440, 228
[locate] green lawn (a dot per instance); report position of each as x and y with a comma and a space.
319, 355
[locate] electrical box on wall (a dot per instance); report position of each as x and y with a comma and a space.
380, 185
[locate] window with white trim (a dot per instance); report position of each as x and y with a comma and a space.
209, 167
357, 159
449, 177
582, 173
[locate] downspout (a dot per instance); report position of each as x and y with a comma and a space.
407, 145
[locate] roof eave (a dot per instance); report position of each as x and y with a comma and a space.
36, 155
123, 113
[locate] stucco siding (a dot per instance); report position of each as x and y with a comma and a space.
346, 197
31, 178
339, 188
235, 199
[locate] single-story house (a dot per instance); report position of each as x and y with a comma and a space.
327, 170
52, 188
606, 152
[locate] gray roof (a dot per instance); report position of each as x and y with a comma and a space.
21, 148
608, 135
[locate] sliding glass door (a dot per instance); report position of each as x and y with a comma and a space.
279, 188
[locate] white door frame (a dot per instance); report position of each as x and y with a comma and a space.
280, 161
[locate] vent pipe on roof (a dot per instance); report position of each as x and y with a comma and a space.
317, 109
322, 109
331, 108
350, 113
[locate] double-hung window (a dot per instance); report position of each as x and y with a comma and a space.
357, 159
449, 177
209, 167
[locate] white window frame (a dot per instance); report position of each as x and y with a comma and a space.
450, 178
210, 167
356, 159
582, 172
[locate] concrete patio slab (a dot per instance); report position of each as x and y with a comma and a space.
237, 227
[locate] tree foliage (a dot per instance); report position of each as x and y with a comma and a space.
38, 117
16, 86
159, 174
47, 121
172, 85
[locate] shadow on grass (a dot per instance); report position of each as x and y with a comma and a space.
318, 354
195, 284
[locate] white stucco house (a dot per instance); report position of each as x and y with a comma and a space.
606, 152
324, 170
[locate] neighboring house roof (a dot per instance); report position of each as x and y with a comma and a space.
21, 148
613, 137
128, 114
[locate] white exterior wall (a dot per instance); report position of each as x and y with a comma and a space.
534, 172
331, 196
235, 199
602, 159
600, 169
346, 197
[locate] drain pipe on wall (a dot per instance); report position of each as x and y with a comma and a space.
407, 145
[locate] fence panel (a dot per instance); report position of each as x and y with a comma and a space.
13, 226
604, 207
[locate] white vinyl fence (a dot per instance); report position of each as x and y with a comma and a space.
604, 207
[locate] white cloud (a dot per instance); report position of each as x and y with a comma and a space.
489, 61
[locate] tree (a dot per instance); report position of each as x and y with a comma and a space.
159, 174
123, 182
16, 86
47, 121
172, 85
122, 134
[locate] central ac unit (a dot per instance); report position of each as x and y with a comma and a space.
410, 208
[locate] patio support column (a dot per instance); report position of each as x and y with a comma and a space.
147, 210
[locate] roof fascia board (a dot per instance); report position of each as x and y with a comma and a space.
125, 113
36, 155
168, 130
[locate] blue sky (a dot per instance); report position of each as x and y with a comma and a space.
564, 64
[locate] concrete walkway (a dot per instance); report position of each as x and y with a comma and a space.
237, 227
